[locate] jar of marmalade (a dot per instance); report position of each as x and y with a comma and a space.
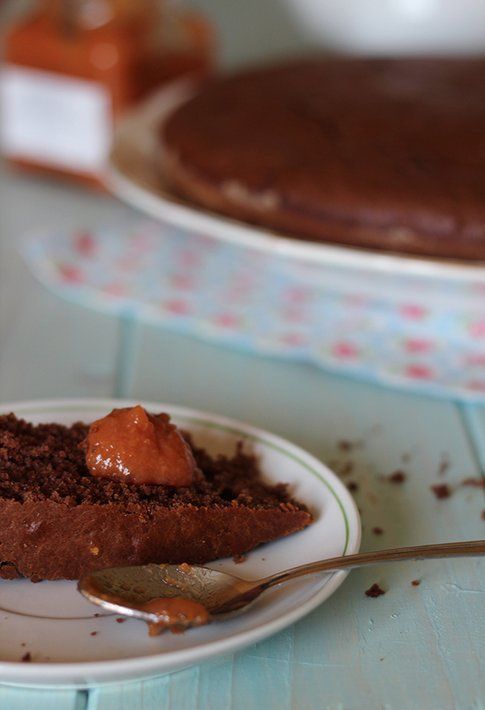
71, 67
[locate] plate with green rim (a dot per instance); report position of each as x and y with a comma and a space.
71, 645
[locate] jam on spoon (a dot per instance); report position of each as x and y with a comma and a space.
174, 613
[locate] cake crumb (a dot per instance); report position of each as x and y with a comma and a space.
346, 469
345, 445
96, 615
475, 482
26, 658
239, 559
185, 568
374, 591
352, 486
120, 620
416, 582
444, 465
377, 531
93, 633
441, 490
397, 477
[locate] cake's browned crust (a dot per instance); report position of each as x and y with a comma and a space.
51, 541
385, 154
58, 522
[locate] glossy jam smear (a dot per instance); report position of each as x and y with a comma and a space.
175, 613
137, 447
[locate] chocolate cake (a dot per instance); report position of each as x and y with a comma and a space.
382, 154
57, 521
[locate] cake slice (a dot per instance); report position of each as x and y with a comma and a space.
58, 521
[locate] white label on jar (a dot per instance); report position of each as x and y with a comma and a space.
58, 121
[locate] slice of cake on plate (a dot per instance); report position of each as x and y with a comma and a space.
129, 489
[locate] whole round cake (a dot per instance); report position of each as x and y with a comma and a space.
382, 154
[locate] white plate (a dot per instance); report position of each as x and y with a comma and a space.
135, 175
54, 623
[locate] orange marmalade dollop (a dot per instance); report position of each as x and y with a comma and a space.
137, 447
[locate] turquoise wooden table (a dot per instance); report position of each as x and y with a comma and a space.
414, 647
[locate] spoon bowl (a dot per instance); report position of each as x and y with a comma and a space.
125, 590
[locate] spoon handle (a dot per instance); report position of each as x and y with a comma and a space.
471, 548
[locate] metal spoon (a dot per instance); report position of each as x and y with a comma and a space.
124, 589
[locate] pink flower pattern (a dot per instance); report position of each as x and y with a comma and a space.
246, 298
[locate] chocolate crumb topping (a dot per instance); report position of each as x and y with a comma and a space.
57, 518
47, 462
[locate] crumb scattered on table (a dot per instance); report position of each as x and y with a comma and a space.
346, 469
93, 633
374, 591
397, 477
475, 482
441, 490
345, 445
352, 486
377, 531
120, 620
26, 658
416, 582
444, 465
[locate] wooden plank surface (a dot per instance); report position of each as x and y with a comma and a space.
49, 347
413, 647
13, 698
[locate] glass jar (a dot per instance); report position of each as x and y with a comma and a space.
71, 67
